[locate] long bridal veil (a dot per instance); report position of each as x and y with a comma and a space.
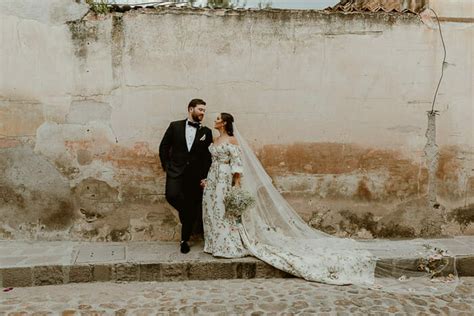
273, 232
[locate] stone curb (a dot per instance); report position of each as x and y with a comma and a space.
178, 271
132, 271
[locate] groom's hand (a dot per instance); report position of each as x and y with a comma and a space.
203, 183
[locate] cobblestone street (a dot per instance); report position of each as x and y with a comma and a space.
223, 297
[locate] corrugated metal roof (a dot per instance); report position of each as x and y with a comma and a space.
401, 6
122, 7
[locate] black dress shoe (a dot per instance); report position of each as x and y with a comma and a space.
184, 247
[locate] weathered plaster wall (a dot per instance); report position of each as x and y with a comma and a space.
335, 106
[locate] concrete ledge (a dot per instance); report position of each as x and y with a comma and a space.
154, 261
128, 272
465, 265
179, 271
17, 277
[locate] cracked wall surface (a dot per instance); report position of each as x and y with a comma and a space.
333, 104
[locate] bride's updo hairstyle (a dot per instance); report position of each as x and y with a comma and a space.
229, 123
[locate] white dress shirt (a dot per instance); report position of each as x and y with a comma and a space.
190, 135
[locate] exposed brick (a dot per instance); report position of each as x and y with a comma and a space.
246, 270
264, 270
212, 270
80, 274
48, 275
150, 272
102, 272
465, 266
126, 272
17, 277
174, 271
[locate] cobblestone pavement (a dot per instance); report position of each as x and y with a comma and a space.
224, 297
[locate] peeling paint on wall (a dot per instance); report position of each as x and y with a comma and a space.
342, 135
387, 172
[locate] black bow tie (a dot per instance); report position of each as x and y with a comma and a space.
194, 124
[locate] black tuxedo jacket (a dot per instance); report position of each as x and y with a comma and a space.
175, 157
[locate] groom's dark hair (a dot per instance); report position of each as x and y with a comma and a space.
195, 102
229, 120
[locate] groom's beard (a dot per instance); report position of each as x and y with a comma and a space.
197, 118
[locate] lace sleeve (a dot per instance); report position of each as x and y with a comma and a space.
236, 159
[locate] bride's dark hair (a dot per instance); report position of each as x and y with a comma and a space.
229, 120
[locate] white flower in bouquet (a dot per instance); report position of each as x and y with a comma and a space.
238, 201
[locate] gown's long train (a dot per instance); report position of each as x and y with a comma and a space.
273, 232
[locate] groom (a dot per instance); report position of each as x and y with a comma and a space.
186, 160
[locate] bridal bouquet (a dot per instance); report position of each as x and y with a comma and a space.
238, 200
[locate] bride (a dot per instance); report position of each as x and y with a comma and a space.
273, 232
222, 236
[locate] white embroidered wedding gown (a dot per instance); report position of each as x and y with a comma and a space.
273, 232
229, 237
221, 230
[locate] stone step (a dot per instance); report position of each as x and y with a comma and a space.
130, 271
170, 271
34, 263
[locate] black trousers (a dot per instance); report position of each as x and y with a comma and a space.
184, 193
